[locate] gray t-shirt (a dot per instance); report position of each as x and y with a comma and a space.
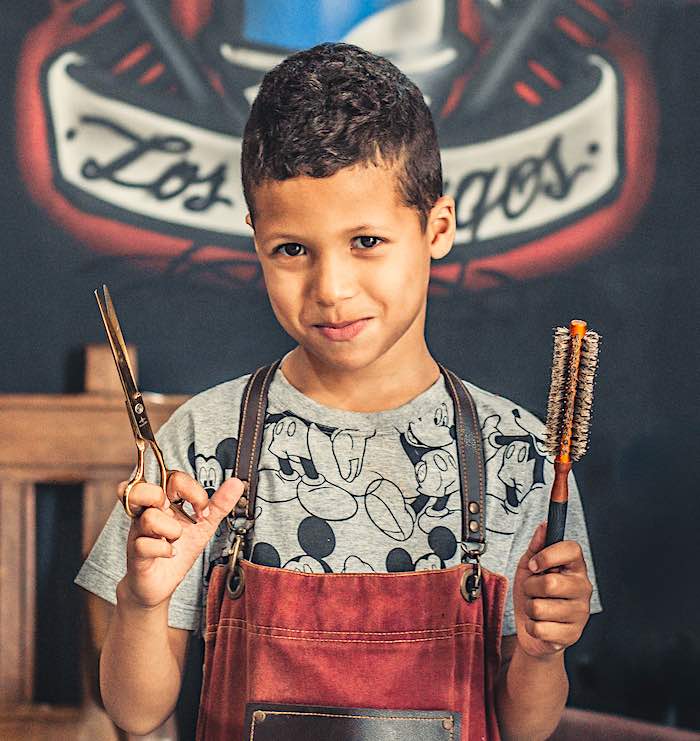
350, 491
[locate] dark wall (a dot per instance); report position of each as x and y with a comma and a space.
641, 656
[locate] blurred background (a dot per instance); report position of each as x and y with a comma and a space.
568, 132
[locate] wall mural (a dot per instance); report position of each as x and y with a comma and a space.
576, 199
130, 114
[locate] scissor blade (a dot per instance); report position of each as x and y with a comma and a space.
112, 314
134, 400
113, 344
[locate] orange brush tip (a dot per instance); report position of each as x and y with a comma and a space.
577, 327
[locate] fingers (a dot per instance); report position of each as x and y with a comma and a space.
554, 592
536, 543
143, 495
566, 554
153, 548
556, 610
181, 486
153, 532
154, 523
558, 585
558, 635
225, 499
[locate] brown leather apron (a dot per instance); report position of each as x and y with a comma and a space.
291, 655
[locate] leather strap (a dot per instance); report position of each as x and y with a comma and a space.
471, 463
250, 436
271, 722
469, 452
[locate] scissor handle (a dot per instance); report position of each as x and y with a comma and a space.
138, 478
165, 474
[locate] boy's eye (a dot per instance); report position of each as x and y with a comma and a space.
293, 249
366, 242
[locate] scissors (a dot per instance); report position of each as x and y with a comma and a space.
143, 433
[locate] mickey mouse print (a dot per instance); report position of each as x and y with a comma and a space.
341, 491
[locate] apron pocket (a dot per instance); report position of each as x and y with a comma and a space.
271, 722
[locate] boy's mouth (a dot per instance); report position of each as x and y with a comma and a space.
342, 330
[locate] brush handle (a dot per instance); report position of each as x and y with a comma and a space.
558, 500
556, 522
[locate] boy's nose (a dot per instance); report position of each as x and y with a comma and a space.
334, 280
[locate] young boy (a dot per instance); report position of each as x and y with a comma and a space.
358, 471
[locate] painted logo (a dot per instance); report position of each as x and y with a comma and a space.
547, 134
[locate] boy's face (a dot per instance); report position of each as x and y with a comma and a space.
344, 249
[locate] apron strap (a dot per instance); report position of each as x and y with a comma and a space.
469, 452
250, 436
471, 464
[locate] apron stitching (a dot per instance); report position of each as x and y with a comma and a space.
244, 411
359, 717
230, 628
460, 431
478, 451
349, 632
374, 575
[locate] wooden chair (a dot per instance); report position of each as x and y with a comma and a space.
59, 439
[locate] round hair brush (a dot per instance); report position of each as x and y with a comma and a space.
574, 363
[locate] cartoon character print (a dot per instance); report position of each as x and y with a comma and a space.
514, 469
317, 541
429, 442
443, 545
288, 475
290, 484
355, 565
211, 471
288, 472
349, 451
388, 509
438, 479
290, 445
434, 431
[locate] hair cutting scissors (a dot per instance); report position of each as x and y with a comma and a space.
143, 433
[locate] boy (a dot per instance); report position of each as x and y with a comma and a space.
358, 471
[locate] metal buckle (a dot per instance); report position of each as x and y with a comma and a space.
234, 568
472, 551
470, 586
239, 511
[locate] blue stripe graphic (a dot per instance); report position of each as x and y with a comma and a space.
298, 24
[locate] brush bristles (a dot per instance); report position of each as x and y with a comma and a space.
584, 394
557, 389
571, 393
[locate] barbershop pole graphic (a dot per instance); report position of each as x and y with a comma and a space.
130, 115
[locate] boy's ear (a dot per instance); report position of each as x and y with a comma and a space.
441, 227
249, 221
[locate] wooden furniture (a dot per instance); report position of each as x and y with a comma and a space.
59, 439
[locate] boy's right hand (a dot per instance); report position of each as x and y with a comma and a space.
162, 546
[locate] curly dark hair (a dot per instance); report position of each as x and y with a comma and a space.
337, 105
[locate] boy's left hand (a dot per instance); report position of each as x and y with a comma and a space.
551, 609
